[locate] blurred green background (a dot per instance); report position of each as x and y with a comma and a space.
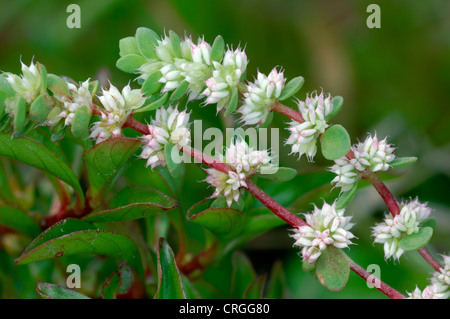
395, 81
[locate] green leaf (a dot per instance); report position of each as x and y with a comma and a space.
267, 122
20, 118
151, 84
218, 49
276, 283
39, 109
346, 197
180, 91
155, 104
176, 43
307, 267
133, 203
255, 289
87, 241
416, 240
18, 220
283, 174
333, 268
51, 291
3, 97
221, 202
80, 124
189, 289
57, 85
170, 285
224, 222
127, 46
292, 87
243, 275
35, 154
105, 161
130, 63
43, 72
232, 104
335, 142
402, 162
6, 87
337, 106
147, 40
175, 169
118, 283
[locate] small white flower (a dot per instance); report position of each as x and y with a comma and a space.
346, 174
304, 135
245, 160
29, 84
79, 96
443, 275
433, 291
327, 227
225, 77
117, 107
261, 96
169, 126
392, 229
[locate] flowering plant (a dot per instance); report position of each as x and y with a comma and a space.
101, 207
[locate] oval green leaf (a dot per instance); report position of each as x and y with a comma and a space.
80, 124
292, 87
154, 104
346, 197
335, 142
133, 203
170, 285
31, 152
416, 240
130, 63
218, 49
176, 43
127, 46
147, 40
338, 101
52, 291
402, 162
39, 109
180, 91
232, 104
333, 268
283, 174
151, 84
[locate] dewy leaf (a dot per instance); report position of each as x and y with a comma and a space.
223, 222
346, 197
402, 162
416, 240
147, 41
51, 291
18, 220
105, 161
35, 154
218, 49
333, 268
232, 104
337, 106
175, 169
99, 242
283, 174
170, 285
292, 87
133, 203
127, 46
130, 63
335, 142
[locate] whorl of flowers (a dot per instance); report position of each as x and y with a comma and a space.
168, 126
117, 107
27, 85
371, 155
392, 229
261, 96
245, 160
304, 135
79, 96
443, 275
225, 77
433, 291
327, 227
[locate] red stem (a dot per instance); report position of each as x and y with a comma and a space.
384, 192
289, 112
384, 288
427, 256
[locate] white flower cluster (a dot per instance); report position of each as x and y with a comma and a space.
117, 107
246, 162
392, 229
193, 66
169, 126
371, 155
439, 287
327, 227
225, 77
261, 96
79, 96
304, 135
